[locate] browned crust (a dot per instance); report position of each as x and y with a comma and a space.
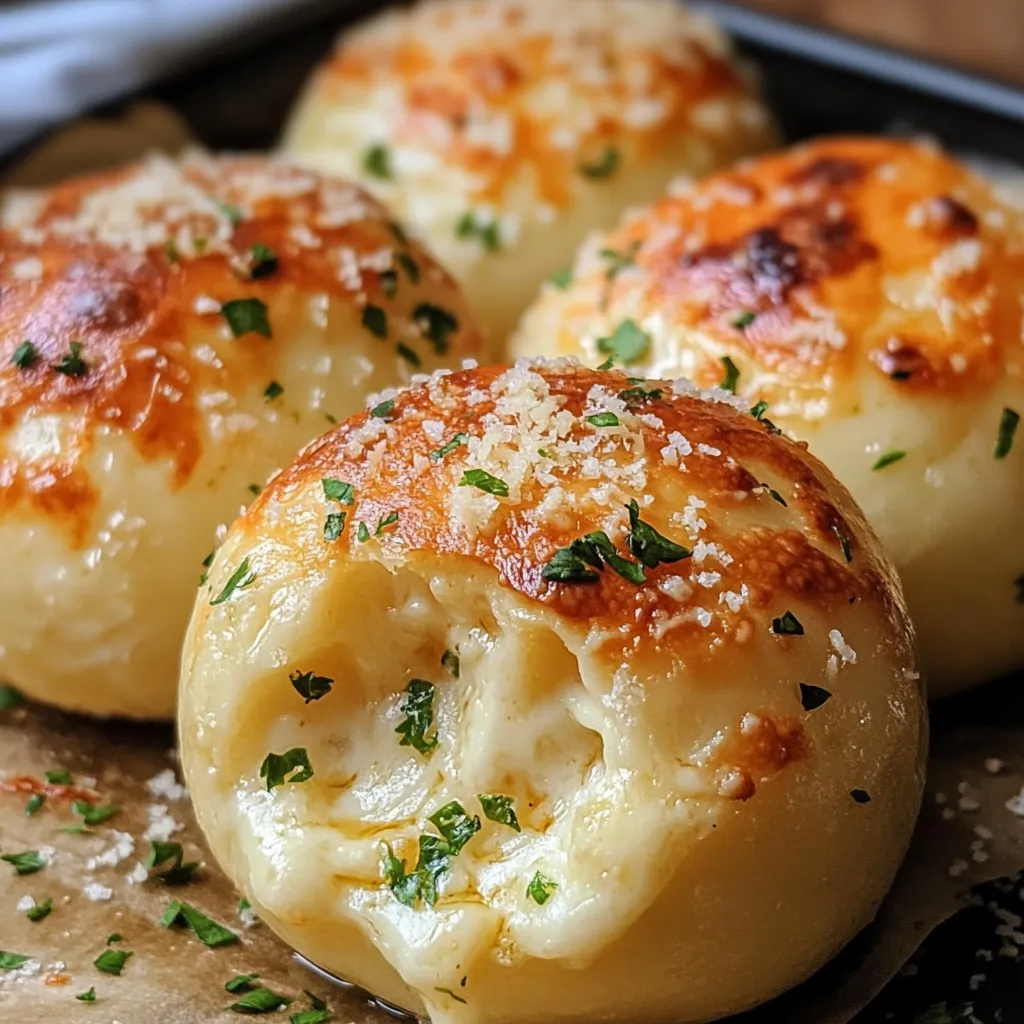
502, 64
801, 560
819, 233
131, 306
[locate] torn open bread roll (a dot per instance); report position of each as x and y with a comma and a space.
540, 693
170, 334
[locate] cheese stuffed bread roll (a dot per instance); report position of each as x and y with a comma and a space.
540, 693
169, 335
505, 130
871, 292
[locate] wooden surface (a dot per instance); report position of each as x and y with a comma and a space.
984, 34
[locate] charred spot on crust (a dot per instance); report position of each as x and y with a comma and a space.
761, 268
952, 218
828, 170
901, 361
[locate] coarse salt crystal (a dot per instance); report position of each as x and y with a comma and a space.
166, 785
205, 304
96, 892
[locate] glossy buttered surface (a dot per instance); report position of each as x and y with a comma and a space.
169, 335
505, 130
870, 291
541, 693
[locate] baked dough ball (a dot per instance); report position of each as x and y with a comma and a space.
169, 335
549, 694
871, 292
505, 130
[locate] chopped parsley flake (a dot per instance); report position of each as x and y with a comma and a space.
561, 279
860, 796
92, 815
732, 375
388, 283
627, 343
363, 533
240, 983
484, 481
232, 212
113, 937
272, 390
10, 697
40, 910
384, 410
603, 419
255, 489
33, 804
889, 458
88, 996
238, 580
25, 355
208, 931
246, 316
375, 320
812, 697
1007, 429
647, 545
487, 232
787, 625
449, 992
72, 364
410, 266
758, 410
310, 687
499, 808
177, 872
260, 1000
284, 769
437, 324
450, 662
774, 495
334, 524
112, 961
638, 395
58, 776
317, 1015
262, 261
743, 320
385, 521
377, 162
418, 708
540, 888
456, 442
844, 542
618, 261
27, 863
408, 354
605, 167
455, 825
338, 490
12, 961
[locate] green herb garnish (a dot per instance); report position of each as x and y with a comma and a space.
627, 343
40, 910
500, 809
377, 163
112, 961
334, 524
238, 580
812, 697
647, 545
338, 490
33, 804
1007, 429
240, 983
844, 542
484, 481
385, 521
262, 261
408, 354
88, 996
272, 390
732, 375
437, 324
603, 419
92, 815
457, 441
25, 355
889, 458
384, 410
410, 266
27, 863
10, 697
260, 1000
12, 961
72, 364
418, 708
787, 625
561, 279
284, 769
450, 661
58, 776
604, 167
310, 687
375, 320
540, 888
487, 232
743, 320
177, 872
208, 931
246, 316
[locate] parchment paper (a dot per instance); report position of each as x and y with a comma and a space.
966, 835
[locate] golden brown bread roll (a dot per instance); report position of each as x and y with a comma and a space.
544, 694
169, 335
871, 292
505, 130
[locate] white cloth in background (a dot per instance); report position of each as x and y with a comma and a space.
60, 57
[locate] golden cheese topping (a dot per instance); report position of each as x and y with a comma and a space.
485, 122
509, 467
810, 266
529, 677
104, 279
